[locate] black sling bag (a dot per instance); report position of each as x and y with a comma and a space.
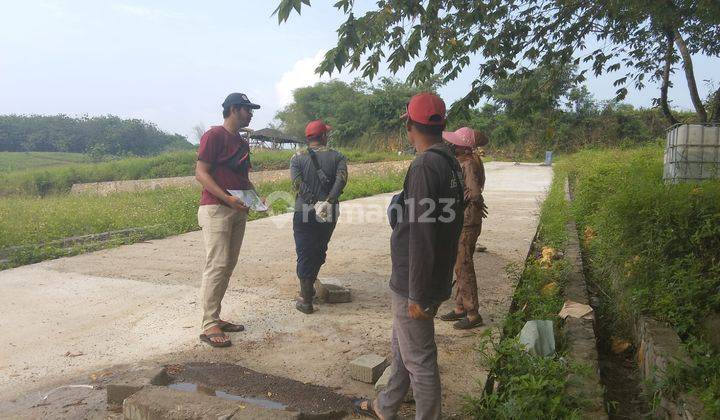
397, 203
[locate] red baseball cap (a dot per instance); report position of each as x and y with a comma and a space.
426, 108
316, 128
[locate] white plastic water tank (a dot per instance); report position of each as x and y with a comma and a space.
692, 153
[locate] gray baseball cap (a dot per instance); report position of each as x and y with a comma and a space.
239, 99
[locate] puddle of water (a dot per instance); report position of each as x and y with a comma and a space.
262, 402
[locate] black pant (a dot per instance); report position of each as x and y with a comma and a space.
311, 244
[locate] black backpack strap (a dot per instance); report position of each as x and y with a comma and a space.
324, 180
458, 180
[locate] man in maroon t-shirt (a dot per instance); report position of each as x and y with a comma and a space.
223, 164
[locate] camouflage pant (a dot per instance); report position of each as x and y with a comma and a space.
466, 291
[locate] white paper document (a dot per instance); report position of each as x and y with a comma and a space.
250, 198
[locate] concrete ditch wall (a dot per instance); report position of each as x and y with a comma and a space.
6, 253
658, 344
260, 177
580, 333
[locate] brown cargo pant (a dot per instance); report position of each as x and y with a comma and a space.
223, 229
466, 291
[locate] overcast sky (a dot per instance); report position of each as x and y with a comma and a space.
173, 62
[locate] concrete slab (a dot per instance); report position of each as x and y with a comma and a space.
160, 403
128, 383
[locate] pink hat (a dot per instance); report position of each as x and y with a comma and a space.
465, 137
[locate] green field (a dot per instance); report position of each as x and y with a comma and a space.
31, 223
50, 181
20, 161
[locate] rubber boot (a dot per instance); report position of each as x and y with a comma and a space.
307, 291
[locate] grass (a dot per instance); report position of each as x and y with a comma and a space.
21, 161
532, 386
33, 223
655, 249
49, 181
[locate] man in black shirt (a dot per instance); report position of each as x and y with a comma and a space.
318, 175
423, 247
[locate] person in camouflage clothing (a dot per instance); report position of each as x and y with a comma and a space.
464, 141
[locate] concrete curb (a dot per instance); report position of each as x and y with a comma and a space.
128, 383
259, 177
5, 253
659, 346
580, 333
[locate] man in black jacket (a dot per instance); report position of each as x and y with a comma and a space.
318, 175
423, 247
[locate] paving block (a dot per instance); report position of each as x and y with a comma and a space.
331, 293
128, 383
382, 383
161, 403
368, 368
338, 294
321, 291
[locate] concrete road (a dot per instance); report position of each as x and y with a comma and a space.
65, 319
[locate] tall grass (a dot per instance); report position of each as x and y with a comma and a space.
33, 223
42, 182
20, 161
655, 248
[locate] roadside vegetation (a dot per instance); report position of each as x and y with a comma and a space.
655, 250
523, 385
59, 180
20, 161
29, 225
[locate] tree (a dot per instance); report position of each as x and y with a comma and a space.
355, 110
107, 135
645, 39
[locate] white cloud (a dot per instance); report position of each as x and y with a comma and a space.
144, 12
302, 74
57, 10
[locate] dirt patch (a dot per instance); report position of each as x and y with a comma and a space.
239, 381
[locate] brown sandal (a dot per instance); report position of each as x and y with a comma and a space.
227, 326
206, 338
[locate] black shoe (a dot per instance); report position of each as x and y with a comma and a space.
303, 307
466, 324
453, 316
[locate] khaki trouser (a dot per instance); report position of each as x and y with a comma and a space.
466, 291
223, 229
